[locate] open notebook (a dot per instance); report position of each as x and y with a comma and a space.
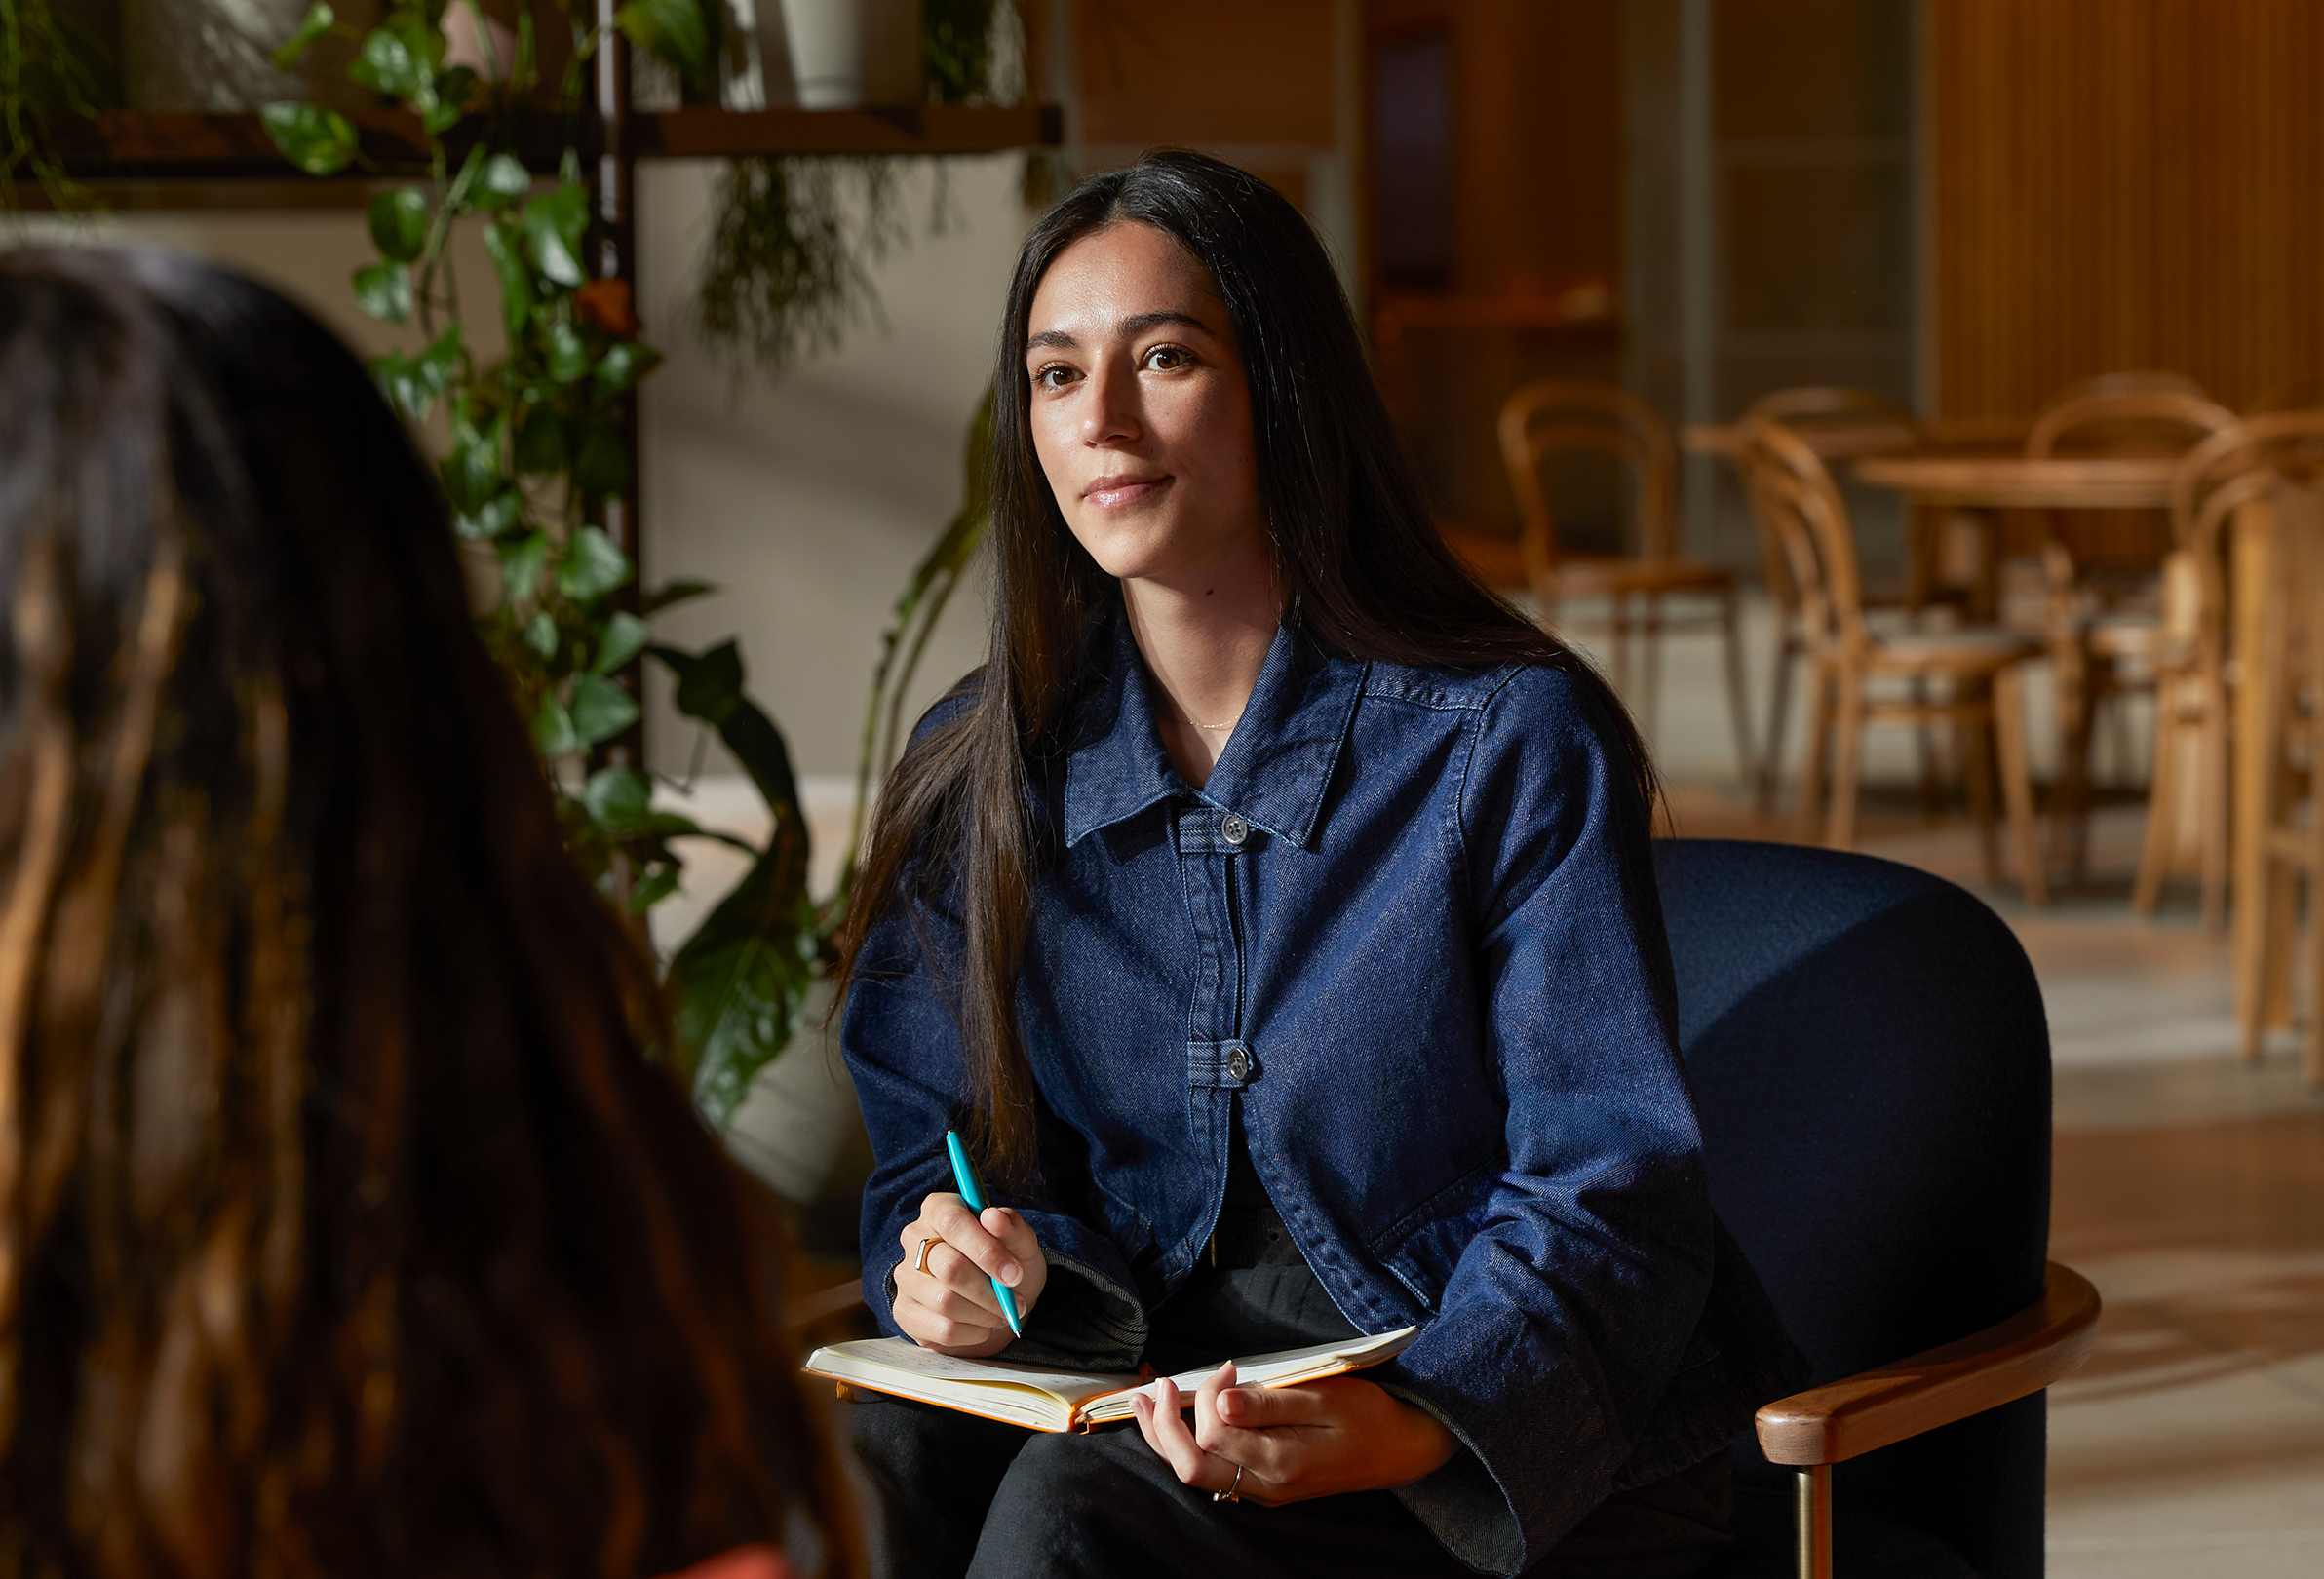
1067, 1400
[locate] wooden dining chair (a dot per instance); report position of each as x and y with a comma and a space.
2103, 644
1837, 424
1967, 676
2194, 683
2270, 468
1554, 415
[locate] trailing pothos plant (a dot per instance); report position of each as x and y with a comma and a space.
534, 452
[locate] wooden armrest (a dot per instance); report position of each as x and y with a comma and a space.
2028, 1351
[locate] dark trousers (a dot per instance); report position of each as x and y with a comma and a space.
959, 1496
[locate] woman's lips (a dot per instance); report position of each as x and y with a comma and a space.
1113, 493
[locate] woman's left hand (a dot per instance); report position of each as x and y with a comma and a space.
1340, 1433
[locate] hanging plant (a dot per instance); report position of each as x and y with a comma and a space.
787, 272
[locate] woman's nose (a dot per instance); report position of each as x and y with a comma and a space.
1111, 414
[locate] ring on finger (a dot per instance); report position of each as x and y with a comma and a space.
921, 1263
1234, 1488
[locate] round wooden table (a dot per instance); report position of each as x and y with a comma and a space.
2022, 483
1976, 487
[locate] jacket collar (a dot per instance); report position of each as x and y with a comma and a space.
1277, 765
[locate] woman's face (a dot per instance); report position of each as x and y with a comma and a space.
1140, 414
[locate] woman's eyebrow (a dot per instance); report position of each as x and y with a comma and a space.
1135, 324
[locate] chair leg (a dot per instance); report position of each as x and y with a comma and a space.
2311, 1045
1977, 780
2017, 783
2211, 808
1925, 746
1847, 766
1739, 703
1621, 627
2069, 801
2268, 960
1811, 760
2160, 845
1650, 664
1811, 1520
1787, 653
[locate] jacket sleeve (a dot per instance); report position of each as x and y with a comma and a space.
1568, 1310
903, 1049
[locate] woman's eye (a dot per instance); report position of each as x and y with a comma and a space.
1053, 377
1166, 358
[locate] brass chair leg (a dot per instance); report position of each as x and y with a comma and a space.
1813, 1518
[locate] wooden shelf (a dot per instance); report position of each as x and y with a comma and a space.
903, 128
148, 160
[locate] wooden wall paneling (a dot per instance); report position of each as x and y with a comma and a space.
2123, 183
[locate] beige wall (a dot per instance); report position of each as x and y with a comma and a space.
806, 502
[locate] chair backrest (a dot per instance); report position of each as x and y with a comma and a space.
1552, 414
2241, 462
2134, 381
2173, 416
1871, 1060
1801, 517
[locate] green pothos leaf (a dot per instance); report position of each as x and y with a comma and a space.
522, 560
384, 290
553, 733
504, 245
593, 566
399, 222
504, 181
618, 799
669, 30
601, 708
318, 140
553, 224
624, 639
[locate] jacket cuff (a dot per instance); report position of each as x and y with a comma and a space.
1089, 1317
1460, 1503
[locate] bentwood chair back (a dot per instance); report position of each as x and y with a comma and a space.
2195, 667
1868, 1052
2132, 381
1555, 415
2140, 416
2267, 472
1968, 677
1837, 424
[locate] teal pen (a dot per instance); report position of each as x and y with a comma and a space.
972, 1190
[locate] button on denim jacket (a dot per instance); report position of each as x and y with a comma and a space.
1409, 925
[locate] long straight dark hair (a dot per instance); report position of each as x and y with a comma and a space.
345, 1226
1362, 560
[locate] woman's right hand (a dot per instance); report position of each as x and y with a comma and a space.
951, 1307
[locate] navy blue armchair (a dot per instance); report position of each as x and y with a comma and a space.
1869, 1051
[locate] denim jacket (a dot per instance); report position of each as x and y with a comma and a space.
1410, 924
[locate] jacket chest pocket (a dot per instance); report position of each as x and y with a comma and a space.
1422, 1247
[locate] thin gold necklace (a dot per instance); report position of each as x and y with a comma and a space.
1189, 718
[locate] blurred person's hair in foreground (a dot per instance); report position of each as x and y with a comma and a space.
344, 1225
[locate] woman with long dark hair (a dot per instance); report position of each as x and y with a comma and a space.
345, 1228
1274, 908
